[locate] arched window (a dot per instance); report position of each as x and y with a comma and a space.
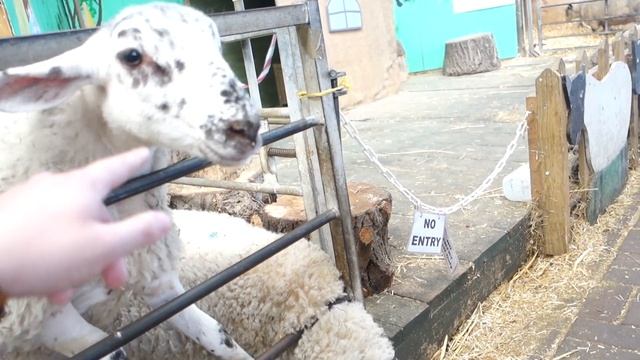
344, 15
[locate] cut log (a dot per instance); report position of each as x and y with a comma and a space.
470, 55
370, 212
235, 203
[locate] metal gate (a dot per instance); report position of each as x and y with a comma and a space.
318, 149
600, 14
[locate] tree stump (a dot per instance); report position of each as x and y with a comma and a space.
370, 213
240, 204
470, 55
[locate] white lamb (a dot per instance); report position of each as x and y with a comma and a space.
294, 290
153, 76
279, 297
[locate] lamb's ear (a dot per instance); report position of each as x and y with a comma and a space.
44, 84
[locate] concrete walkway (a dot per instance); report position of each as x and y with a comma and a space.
441, 136
608, 325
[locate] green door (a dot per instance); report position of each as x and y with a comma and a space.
424, 26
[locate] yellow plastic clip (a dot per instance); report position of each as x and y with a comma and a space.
343, 84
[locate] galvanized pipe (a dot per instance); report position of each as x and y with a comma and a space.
540, 35
281, 152
569, 3
281, 346
236, 185
152, 319
278, 121
156, 178
275, 112
520, 28
529, 18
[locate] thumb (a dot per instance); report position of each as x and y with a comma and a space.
124, 236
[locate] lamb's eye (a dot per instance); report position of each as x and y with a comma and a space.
130, 57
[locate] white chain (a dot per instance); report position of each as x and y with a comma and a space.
368, 151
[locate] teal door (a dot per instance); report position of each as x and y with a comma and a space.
423, 27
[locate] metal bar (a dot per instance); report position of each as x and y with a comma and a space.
539, 18
276, 112
267, 18
573, 47
520, 28
587, 20
189, 297
529, 18
251, 35
281, 346
23, 50
569, 3
330, 150
278, 121
282, 152
235, 185
606, 15
156, 178
581, 34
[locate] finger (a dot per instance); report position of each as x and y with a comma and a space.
115, 275
61, 297
122, 237
108, 173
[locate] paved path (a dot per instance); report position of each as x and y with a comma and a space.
608, 325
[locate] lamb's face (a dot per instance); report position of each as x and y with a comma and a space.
167, 83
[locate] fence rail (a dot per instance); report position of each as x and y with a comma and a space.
164, 312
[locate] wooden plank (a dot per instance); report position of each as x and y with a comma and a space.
534, 149
316, 72
634, 158
618, 49
306, 153
603, 61
552, 114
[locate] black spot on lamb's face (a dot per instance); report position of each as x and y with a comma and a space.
179, 65
178, 91
164, 107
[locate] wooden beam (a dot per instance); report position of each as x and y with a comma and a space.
618, 49
634, 158
552, 115
534, 149
603, 61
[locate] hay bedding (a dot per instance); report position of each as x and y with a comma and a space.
526, 317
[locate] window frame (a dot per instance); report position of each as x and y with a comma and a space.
344, 13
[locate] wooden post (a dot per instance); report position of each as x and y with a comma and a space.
534, 149
562, 67
634, 158
603, 61
618, 49
329, 148
585, 61
634, 133
551, 112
